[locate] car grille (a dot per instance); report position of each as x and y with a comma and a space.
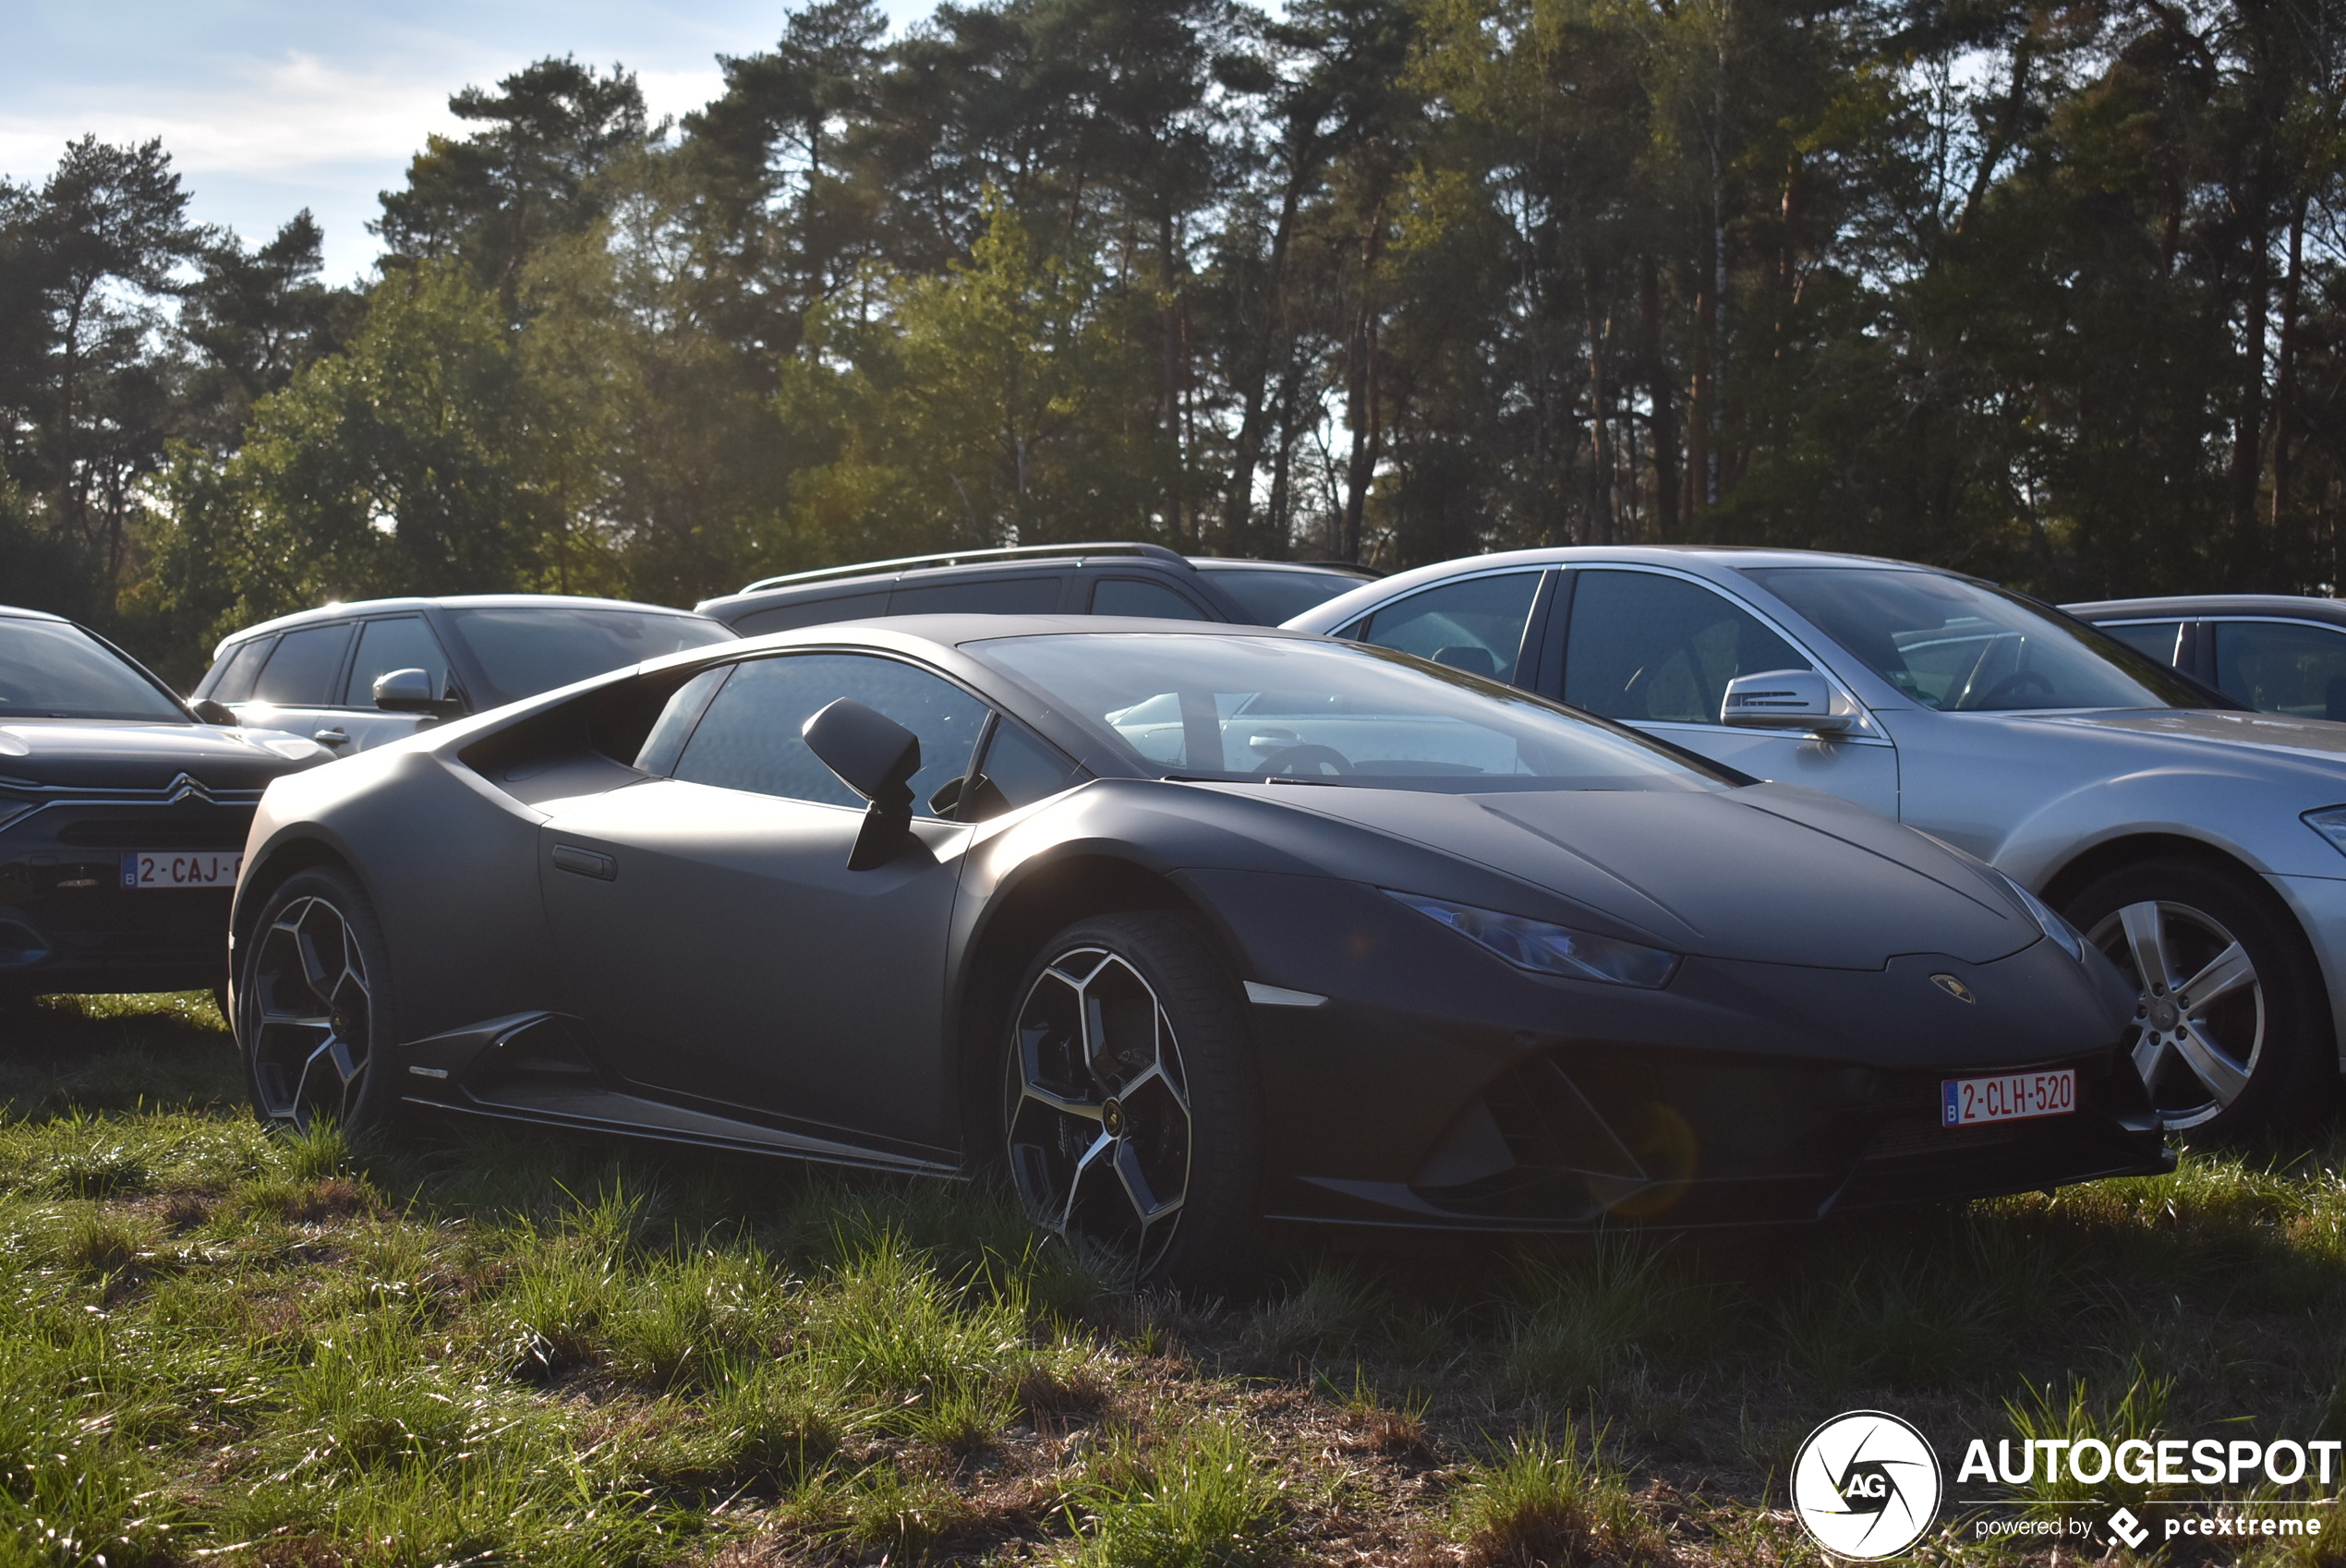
166, 828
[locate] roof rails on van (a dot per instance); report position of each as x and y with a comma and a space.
970, 557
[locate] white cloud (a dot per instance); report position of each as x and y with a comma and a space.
282, 118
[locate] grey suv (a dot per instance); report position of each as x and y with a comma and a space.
352, 676
1088, 579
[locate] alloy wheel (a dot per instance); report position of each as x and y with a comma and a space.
2199, 1020
312, 1015
1098, 1110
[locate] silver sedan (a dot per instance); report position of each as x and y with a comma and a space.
2201, 846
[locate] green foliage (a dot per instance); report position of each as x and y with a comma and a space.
2052, 295
1004, 401
412, 463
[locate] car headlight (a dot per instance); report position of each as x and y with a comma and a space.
2072, 940
1550, 949
2330, 822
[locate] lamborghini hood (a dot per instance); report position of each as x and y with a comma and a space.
1769, 872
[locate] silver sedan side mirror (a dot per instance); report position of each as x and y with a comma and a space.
1781, 699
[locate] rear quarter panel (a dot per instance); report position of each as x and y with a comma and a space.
448, 862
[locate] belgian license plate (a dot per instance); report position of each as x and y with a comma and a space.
181, 868
2014, 1097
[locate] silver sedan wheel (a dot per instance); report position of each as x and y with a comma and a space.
2199, 1020
311, 1016
1099, 1109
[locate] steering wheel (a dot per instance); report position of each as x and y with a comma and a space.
1305, 760
2014, 684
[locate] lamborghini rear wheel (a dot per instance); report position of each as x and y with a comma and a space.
313, 1005
1132, 1110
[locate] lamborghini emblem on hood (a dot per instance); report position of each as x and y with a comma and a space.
1953, 987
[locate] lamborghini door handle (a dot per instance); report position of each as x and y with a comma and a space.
585, 863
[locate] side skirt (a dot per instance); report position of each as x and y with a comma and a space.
535, 1068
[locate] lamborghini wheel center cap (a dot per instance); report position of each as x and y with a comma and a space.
1112, 1118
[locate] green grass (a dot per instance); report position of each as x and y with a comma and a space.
221, 1345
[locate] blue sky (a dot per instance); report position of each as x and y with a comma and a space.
268, 106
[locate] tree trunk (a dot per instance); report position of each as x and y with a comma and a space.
1169, 370
1361, 412
1254, 365
67, 513
1698, 491
1659, 388
2287, 547
1360, 393
1598, 327
2248, 426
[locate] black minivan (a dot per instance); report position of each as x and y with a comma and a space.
1088, 579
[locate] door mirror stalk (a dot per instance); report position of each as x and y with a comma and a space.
877, 757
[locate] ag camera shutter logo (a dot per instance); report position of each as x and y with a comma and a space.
1866, 1484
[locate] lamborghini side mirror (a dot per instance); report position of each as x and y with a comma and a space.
877, 757
214, 713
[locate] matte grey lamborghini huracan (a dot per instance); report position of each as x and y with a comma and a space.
1192, 933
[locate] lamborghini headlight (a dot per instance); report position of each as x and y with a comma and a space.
2072, 940
1550, 949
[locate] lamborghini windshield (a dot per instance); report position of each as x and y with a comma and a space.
1232, 707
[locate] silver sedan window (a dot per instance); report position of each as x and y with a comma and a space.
1961, 646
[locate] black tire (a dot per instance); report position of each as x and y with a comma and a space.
2253, 1050
314, 1008
1128, 1071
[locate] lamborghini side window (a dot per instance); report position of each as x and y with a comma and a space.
748, 738
674, 726
1021, 770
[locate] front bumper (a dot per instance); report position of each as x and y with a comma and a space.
2319, 904
1439, 1087
1578, 1135
68, 923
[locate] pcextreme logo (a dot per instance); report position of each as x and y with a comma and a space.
1866, 1484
